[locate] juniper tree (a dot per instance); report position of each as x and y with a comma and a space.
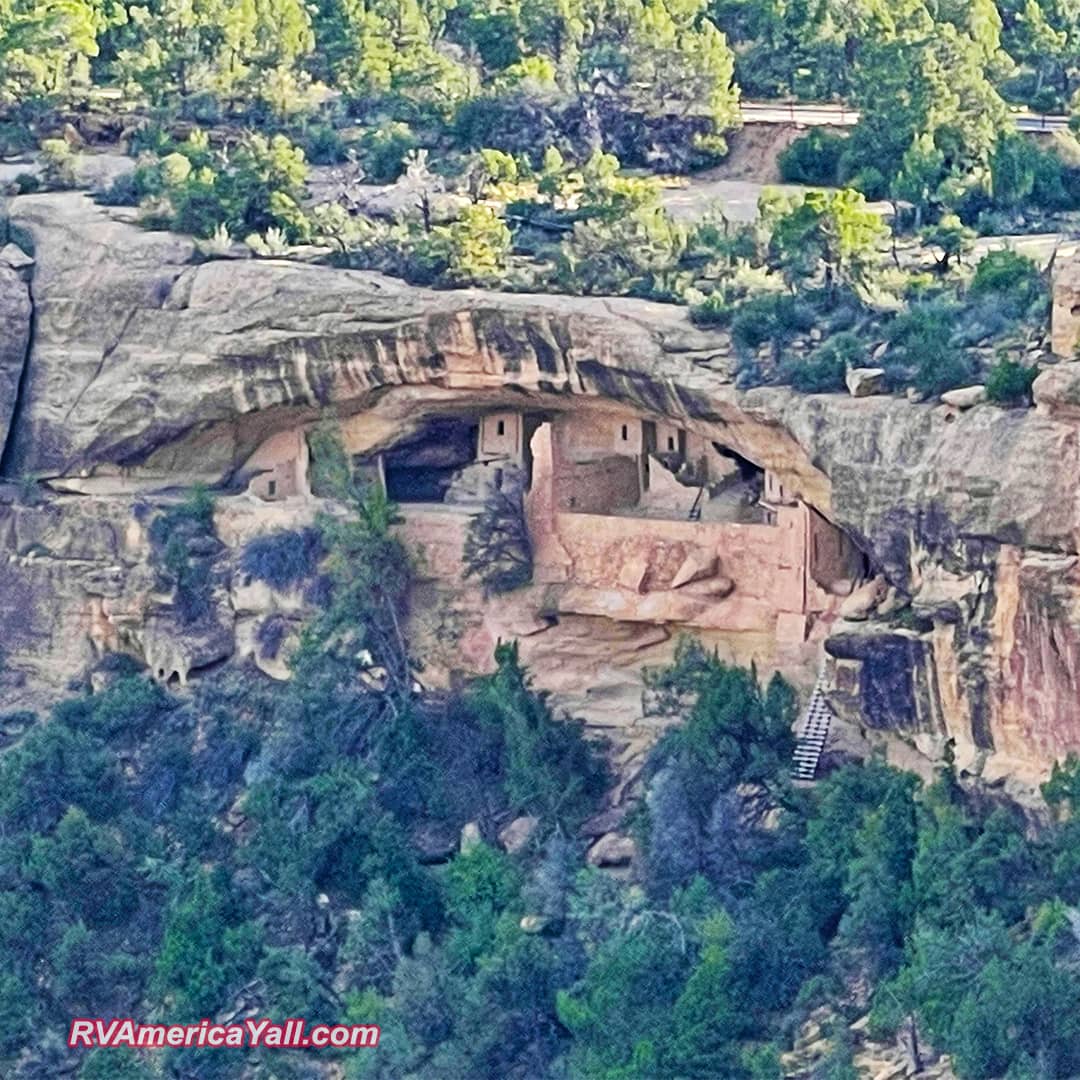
498, 549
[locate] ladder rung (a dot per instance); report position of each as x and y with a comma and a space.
813, 735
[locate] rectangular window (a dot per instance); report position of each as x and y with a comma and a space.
501, 427
625, 433
271, 488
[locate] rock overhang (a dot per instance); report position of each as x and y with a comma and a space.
148, 368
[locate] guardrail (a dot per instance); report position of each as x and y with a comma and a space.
832, 114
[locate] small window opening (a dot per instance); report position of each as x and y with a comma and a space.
498, 479
271, 488
500, 427
671, 442
625, 433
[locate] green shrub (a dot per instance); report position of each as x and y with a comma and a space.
121, 192
1009, 383
498, 548
174, 535
153, 138
16, 136
26, 183
470, 251
516, 123
331, 468
57, 164
871, 181
1053, 187
714, 310
814, 158
734, 731
146, 180
1022, 173
112, 1064
323, 145
1013, 280
921, 349
207, 949
382, 151
283, 559
551, 769
770, 318
259, 185
1047, 101
825, 369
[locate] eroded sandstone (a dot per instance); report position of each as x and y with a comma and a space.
150, 370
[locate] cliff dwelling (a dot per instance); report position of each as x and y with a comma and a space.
633, 520
279, 468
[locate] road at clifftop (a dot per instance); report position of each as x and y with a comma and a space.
773, 112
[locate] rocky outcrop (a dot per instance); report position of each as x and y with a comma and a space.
865, 382
1065, 316
148, 367
964, 397
15, 321
151, 369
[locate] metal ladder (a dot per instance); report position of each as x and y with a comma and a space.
813, 733
695, 510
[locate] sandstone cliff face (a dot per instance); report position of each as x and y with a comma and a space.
15, 322
149, 369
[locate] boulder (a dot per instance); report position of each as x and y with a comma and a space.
470, 838
612, 849
713, 588
71, 136
173, 648
964, 397
15, 314
634, 572
863, 601
516, 836
1057, 391
604, 822
401, 202
865, 381
841, 586
697, 566
13, 256
435, 842
892, 603
1065, 316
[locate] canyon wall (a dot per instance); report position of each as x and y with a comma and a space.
130, 369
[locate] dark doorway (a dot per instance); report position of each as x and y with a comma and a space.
422, 467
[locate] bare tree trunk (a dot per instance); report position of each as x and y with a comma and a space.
910, 1039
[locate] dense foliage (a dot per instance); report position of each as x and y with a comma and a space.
295, 849
526, 146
